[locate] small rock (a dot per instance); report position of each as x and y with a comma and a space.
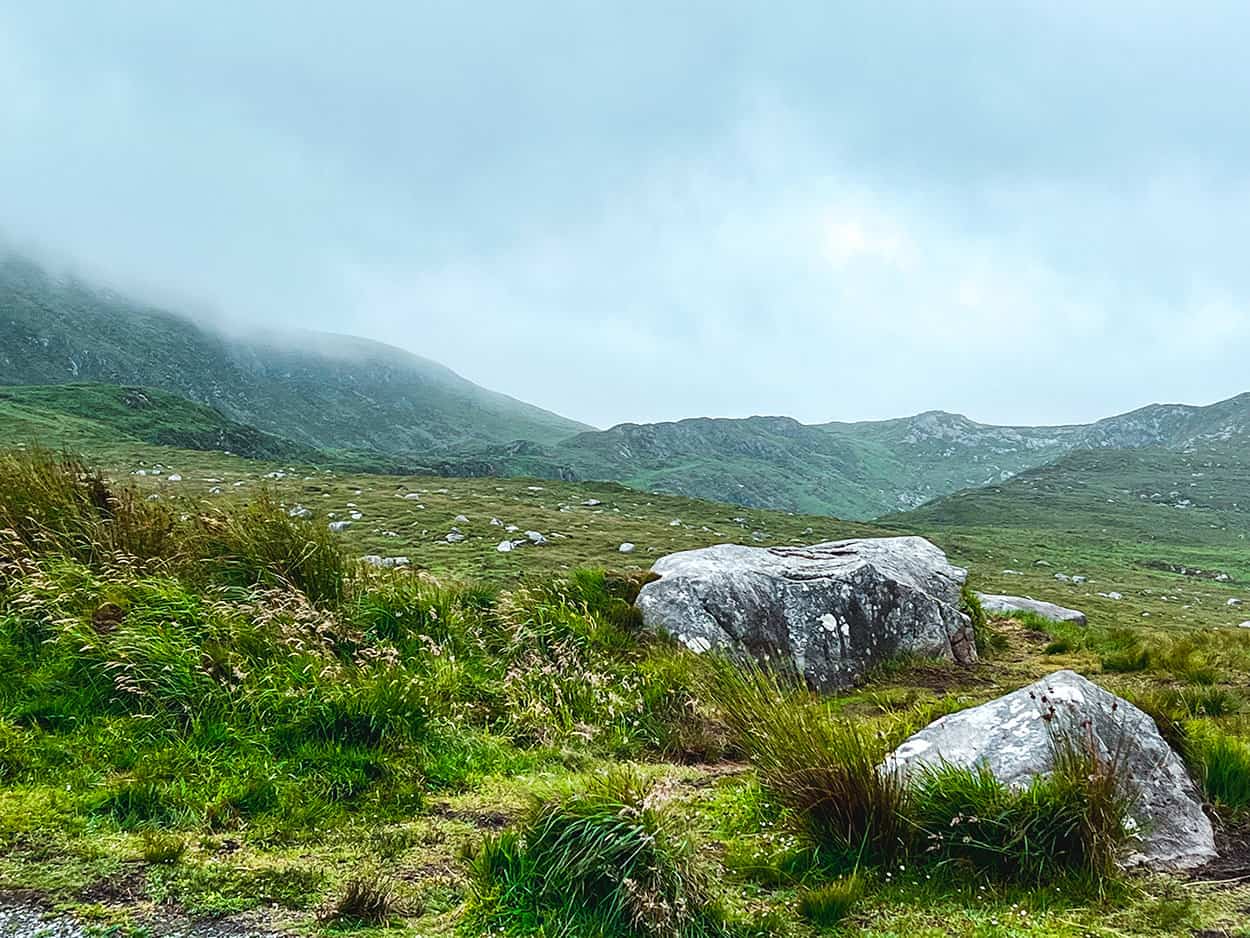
1233, 602
454, 537
592, 503
504, 546
536, 537
299, 511
338, 527
626, 548
495, 522
174, 477
461, 519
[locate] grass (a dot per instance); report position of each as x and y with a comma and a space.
609, 858
825, 906
220, 731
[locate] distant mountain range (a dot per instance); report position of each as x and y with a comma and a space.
336, 394
852, 470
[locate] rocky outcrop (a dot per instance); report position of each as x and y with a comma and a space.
993, 603
1015, 735
829, 612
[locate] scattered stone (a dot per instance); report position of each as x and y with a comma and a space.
1012, 573
512, 529
173, 477
356, 515
675, 523
993, 602
461, 519
832, 610
1079, 579
412, 496
299, 511
626, 548
592, 503
495, 522
1112, 595
338, 527
215, 490
454, 536
1013, 737
1244, 625
504, 546
1063, 578
1233, 602
536, 537
386, 563
1041, 563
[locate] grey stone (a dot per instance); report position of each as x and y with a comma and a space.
626, 548
829, 612
992, 602
1014, 738
536, 537
338, 527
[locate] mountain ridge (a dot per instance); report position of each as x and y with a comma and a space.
366, 395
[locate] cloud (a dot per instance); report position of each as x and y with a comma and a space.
1024, 214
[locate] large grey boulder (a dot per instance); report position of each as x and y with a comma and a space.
1014, 737
829, 611
991, 602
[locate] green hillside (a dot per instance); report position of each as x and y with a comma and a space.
851, 470
98, 418
325, 391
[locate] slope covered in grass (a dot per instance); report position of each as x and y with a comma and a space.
324, 391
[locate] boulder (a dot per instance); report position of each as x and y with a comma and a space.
1014, 738
828, 612
991, 602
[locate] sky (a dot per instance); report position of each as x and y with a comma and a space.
1023, 212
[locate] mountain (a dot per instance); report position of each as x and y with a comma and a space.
100, 416
325, 391
851, 470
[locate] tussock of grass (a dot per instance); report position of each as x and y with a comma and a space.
609, 859
1222, 763
367, 899
827, 905
823, 769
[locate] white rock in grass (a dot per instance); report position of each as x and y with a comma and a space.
626, 548
1014, 737
1244, 625
299, 511
592, 503
496, 523
504, 547
412, 496
338, 527
992, 602
356, 516
1233, 602
173, 477
454, 537
461, 519
536, 537
386, 563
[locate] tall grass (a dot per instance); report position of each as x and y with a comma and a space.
609, 859
53, 503
823, 769
1222, 763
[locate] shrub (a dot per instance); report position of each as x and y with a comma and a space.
823, 769
827, 905
605, 860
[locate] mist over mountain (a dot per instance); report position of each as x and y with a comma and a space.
327, 391
337, 393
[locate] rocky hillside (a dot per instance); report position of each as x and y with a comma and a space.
852, 470
330, 392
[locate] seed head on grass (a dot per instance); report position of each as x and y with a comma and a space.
823, 769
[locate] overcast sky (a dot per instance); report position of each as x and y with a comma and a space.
633, 211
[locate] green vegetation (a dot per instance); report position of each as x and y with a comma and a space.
210, 706
336, 392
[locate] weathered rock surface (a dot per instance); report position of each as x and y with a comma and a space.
1003, 604
831, 610
1014, 739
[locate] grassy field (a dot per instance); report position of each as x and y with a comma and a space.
184, 735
